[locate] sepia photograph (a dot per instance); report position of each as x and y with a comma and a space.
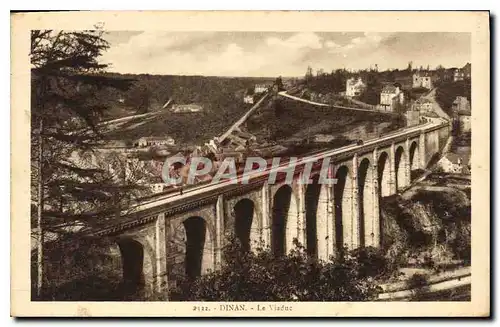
248, 171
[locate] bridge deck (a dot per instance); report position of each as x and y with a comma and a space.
154, 204
284, 94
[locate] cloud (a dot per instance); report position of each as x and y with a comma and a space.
211, 54
368, 41
332, 45
297, 41
273, 53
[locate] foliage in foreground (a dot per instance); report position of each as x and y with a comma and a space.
260, 276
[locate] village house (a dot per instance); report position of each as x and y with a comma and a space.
354, 87
180, 108
467, 70
323, 138
154, 140
391, 98
248, 99
464, 120
458, 75
260, 88
462, 113
460, 104
422, 79
430, 117
423, 105
412, 118
455, 163
157, 187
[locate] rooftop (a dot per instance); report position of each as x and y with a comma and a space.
389, 89
459, 99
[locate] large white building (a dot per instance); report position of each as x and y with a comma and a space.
421, 79
390, 97
354, 87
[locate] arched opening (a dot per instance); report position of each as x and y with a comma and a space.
414, 156
400, 163
243, 211
366, 201
196, 231
132, 254
384, 178
284, 222
312, 200
343, 207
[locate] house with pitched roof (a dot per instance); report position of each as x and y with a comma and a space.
354, 87
455, 163
422, 79
423, 105
391, 97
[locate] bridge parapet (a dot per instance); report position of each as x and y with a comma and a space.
343, 214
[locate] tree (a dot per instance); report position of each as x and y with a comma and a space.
66, 190
309, 74
279, 83
410, 66
140, 97
261, 276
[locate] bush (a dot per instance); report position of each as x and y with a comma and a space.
461, 244
419, 284
371, 262
260, 276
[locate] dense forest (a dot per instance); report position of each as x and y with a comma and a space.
150, 92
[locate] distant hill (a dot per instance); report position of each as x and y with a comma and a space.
150, 93
220, 97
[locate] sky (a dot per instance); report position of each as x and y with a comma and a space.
272, 54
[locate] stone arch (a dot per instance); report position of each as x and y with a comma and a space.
181, 246
198, 246
284, 220
245, 222
343, 207
132, 255
399, 166
414, 156
384, 174
316, 216
366, 203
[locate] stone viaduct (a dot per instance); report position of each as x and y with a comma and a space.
173, 236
